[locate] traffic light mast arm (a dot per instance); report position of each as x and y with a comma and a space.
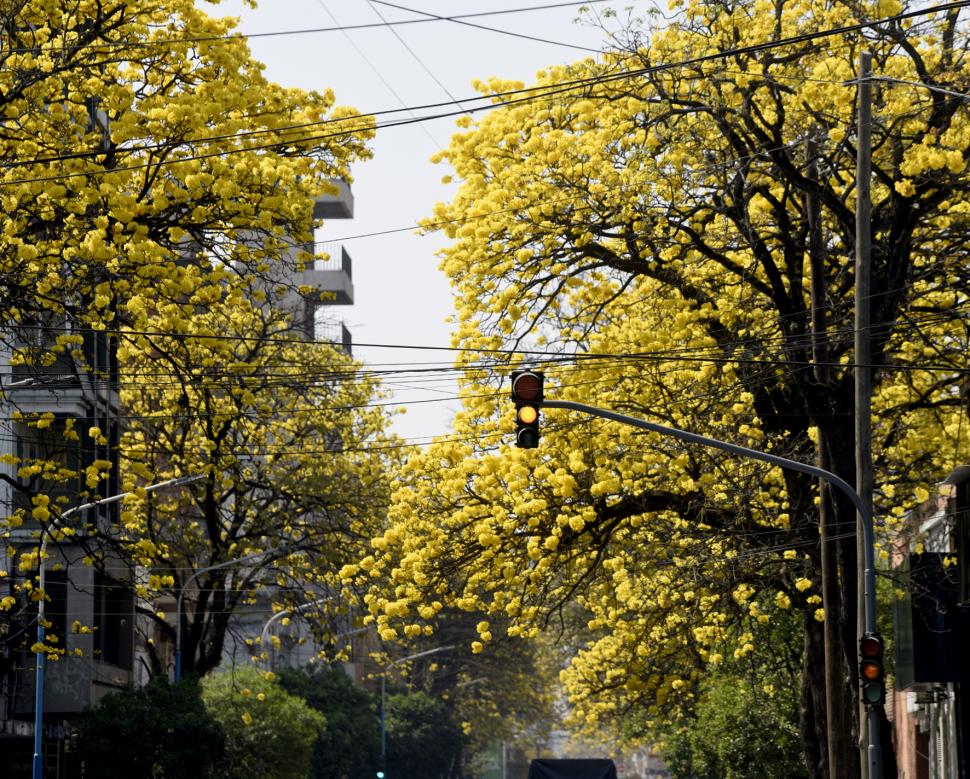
869, 574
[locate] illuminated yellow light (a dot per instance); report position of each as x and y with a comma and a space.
871, 671
528, 414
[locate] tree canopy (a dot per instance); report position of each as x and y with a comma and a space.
158, 199
295, 480
669, 231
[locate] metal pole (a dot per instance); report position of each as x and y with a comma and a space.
383, 726
863, 371
387, 668
40, 657
837, 734
192, 578
39, 661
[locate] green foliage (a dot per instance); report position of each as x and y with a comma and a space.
161, 731
269, 732
351, 742
740, 731
422, 739
745, 724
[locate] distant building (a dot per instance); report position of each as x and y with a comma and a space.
312, 292
930, 705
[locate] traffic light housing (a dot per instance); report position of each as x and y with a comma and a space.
380, 767
527, 396
872, 670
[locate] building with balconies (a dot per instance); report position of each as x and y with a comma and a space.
313, 288
78, 392
311, 292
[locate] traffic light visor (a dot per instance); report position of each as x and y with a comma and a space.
528, 414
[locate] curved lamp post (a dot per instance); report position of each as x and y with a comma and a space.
193, 577
40, 657
294, 610
387, 668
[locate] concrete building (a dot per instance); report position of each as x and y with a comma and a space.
83, 393
310, 297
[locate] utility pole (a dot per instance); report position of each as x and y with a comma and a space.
837, 739
869, 713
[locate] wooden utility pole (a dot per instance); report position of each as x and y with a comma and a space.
868, 713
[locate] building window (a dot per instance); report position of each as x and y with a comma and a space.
114, 620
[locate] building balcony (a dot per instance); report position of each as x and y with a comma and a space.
335, 206
335, 333
331, 279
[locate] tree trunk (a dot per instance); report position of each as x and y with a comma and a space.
841, 459
812, 709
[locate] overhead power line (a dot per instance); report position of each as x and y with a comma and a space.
497, 101
304, 31
457, 20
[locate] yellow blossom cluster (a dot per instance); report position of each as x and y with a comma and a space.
644, 240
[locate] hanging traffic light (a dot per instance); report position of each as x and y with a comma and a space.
872, 671
527, 396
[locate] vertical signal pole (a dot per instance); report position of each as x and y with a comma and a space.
871, 757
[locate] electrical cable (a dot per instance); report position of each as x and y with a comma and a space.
380, 76
550, 91
456, 20
305, 31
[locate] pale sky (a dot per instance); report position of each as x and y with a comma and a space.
401, 298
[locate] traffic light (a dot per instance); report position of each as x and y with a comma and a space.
872, 672
380, 767
527, 396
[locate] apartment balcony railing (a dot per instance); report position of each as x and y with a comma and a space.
335, 333
331, 279
338, 259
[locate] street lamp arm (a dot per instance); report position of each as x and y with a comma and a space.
387, 668
754, 454
196, 575
177, 482
283, 613
40, 658
426, 652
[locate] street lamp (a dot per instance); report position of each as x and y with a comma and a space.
193, 577
387, 668
40, 660
294, 610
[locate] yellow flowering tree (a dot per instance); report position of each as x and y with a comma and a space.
155, 182
294, 457
641, 227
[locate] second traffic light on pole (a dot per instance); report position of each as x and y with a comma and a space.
527, 396
872, 670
